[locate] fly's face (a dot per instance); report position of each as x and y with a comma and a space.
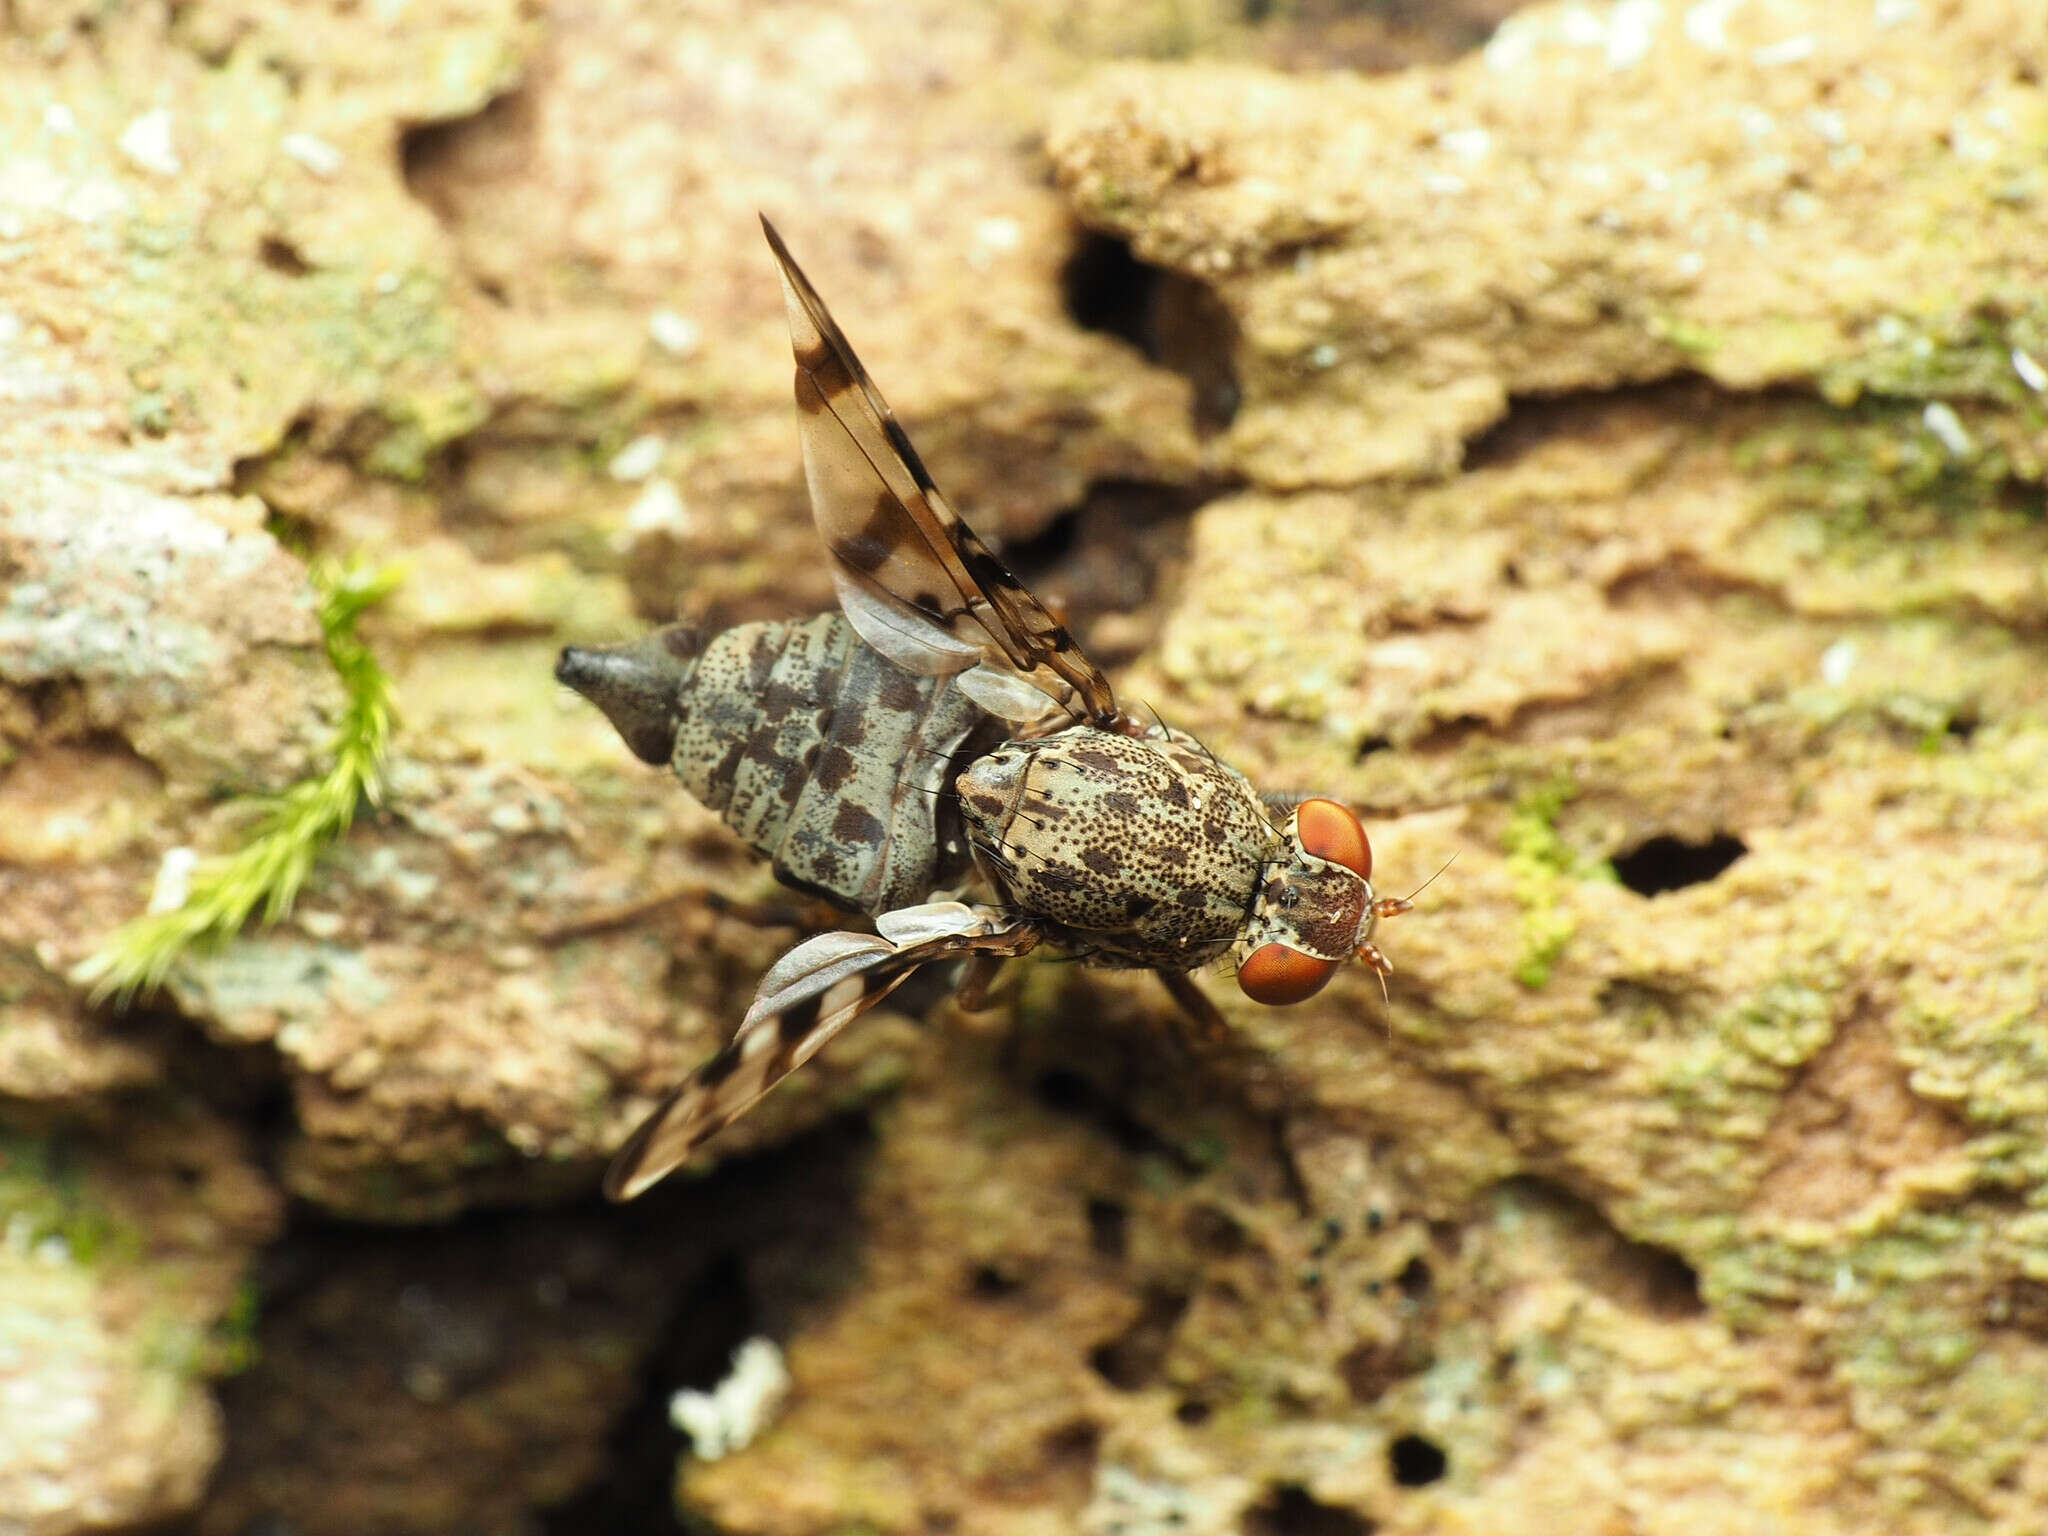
1315, 911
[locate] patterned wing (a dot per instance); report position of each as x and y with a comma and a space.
806, 998
913, 577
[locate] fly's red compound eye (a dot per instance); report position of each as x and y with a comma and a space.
1275, 975
1329, 831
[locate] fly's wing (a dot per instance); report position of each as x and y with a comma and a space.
913, 578
806, 998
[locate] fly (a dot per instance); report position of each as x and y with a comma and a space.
942, 755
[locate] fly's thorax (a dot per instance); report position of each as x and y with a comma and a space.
1144, 849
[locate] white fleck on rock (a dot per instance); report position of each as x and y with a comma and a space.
324, 926
60, 121
147, 142
1706, 24
658, 509
173, 879
733, 1413
639, 458
1941, 419
1631, 32
1512, 45
1895, 13
998, 234
1789, 50
675, 334
1828, 124
312, 152
1126, 1503
1837, 662
1466, 143
2031, 373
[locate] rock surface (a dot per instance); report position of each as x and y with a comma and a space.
1621, 453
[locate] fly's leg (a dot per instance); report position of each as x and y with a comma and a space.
979, 974
1202, 1029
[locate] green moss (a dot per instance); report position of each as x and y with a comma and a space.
418, 428
1966, 356
43, 1197
1695, 340
232, 1347
1867, 467
1539, 863
268, 870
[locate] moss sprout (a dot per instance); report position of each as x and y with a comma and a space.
268, 870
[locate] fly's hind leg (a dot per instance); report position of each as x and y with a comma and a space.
977, 976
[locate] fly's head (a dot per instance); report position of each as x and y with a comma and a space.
1315, 910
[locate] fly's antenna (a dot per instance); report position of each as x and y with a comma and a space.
1409, 900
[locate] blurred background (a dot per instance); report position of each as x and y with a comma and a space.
1601, 442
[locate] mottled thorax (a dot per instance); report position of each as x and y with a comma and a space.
1144, 848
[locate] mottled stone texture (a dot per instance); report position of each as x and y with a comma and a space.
1620, 449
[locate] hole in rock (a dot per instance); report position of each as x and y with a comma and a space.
1175, 321
282, 257
1291, 1510
1415, 1280
1416, 1462
989, 1283
1664, 863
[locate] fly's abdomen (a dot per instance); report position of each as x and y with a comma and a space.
829, 759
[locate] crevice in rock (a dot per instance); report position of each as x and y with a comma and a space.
1213, 1231
1068, 1457
1666, 863
456, 1337
1643, 1277
1531, 421
1132, 1360
1173, 320
1373, 1369
637, 1491
1290, 1510
1372, 36
1069, 1093
438, 158
1107, 562
1109, 1229
1849, 1124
